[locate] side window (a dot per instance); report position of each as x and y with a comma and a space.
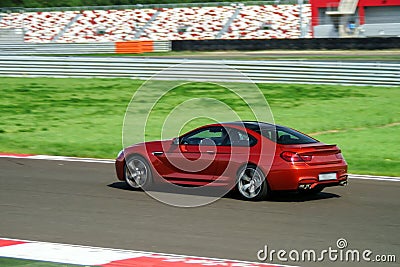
288, 136
239, 138
208, 136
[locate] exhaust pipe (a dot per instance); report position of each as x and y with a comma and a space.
305, 186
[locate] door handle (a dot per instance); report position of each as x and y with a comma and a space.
157, 153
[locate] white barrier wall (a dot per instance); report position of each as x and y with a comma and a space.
73, 48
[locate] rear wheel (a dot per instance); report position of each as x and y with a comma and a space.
137, 172
252, 183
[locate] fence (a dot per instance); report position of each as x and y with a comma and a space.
204, 70
85, 48
287, 44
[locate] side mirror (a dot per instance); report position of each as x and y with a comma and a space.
175, 141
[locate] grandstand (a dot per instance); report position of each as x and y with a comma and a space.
188, 23
267, 20
107, 25
228, 21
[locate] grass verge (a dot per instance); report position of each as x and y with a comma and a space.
83, 117
11, 262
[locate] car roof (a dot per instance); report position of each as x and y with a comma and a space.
251, 124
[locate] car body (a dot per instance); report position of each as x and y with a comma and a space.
253, 157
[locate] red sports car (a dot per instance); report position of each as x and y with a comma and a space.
253, 157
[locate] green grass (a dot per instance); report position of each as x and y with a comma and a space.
370, 150
84, 117
63, 116
11, 262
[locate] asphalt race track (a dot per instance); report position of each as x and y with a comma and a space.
83, 203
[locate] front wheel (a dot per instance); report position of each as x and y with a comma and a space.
137, 172
252, 183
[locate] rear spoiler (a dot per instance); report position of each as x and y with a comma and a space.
320, 149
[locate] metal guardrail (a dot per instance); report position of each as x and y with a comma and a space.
162, 46
379, 74
70, 48
58, 48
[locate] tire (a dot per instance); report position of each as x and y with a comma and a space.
251, 183
138, 173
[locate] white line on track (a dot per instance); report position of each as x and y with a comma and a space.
376, 178
94, 160
58, 158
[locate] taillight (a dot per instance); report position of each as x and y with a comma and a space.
306, 157
294, 157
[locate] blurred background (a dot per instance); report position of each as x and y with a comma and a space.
327, 68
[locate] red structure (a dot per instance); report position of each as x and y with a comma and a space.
319, 6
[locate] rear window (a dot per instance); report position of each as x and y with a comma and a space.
282, 135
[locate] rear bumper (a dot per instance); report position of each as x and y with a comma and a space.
306, 184
302, 176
